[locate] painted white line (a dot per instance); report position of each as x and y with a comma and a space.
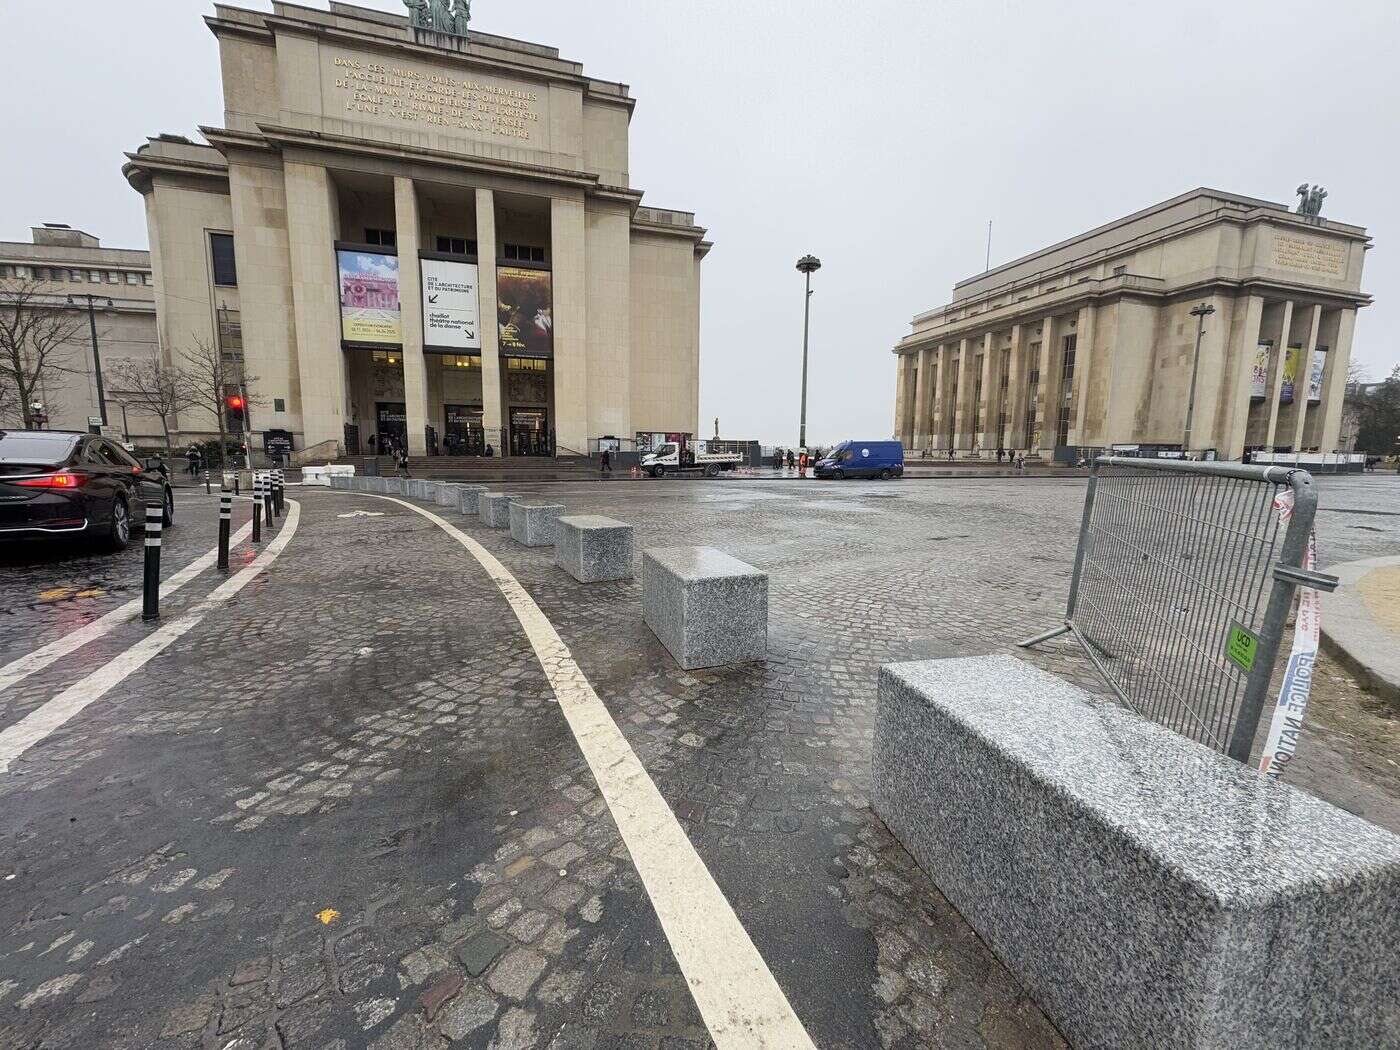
736, 993
32, 663
43, 720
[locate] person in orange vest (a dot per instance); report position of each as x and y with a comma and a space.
802, 464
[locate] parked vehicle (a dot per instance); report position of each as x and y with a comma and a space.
689, 456
863, 459
55, 483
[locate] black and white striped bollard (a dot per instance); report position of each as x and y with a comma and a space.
281, 490
150, 590
257, 512
268, 504
207, 490
225, 523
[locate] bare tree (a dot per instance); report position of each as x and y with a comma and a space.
36, 339
210, 375
152, 386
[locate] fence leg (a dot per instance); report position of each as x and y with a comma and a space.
150, 590
225, 520
1045, 636
1084, 521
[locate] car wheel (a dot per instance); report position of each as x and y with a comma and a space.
885, 474
118, 532
167, 516
839, 474
711, 471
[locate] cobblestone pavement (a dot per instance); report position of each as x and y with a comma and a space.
344, 810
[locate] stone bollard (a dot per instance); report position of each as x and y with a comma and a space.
706, 607
535, 524
494, 509
594, 549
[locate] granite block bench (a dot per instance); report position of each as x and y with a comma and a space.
706, 607
494, 509
594, 549
1147, 891
535, 524
469, 499
447, 494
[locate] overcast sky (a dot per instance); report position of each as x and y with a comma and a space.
880, 135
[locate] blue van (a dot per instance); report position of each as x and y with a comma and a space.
863, 459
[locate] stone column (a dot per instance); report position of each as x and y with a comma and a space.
491, 413
903, 399
313, 226
1016, 437
923, 392
570, 325
1334, 384
1280, 355
986, 408
408, 231
942, 409
1044, 388
962, 421
1083, 363
1300, 381
1238, 425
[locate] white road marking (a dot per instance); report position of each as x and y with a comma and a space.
362, 514
32, 663
43, 720
736, 993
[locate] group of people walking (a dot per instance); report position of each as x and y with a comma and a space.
798, 461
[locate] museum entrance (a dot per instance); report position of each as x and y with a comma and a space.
529, 432
391, 425
463, 434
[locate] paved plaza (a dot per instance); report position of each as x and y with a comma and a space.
343, 807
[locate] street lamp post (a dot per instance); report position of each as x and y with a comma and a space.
96, 354
1200, 312
807, 265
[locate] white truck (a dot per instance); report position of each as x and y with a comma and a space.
692, 457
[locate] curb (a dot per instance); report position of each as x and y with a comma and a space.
1351, 634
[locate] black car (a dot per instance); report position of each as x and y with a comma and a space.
57, 483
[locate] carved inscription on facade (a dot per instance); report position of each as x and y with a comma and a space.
402, 93
1298, 253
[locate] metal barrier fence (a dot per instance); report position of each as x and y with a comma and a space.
1182, 586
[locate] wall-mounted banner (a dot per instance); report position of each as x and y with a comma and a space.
369, 298
450, 305
1319, 365
1259, 378
1290, 374
525, 311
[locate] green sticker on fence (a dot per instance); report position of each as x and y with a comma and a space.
1241, 647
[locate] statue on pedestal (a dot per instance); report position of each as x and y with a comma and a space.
440, 16
1310, 200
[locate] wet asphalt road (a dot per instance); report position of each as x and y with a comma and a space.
364, 731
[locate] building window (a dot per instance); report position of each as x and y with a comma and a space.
95, 276
526, 364
451, 361
1067, 384
146, 280
385, 358
383, 238
456, 246
133, 278
523, 253
1062, 430
221, 250
113, 277
279, 404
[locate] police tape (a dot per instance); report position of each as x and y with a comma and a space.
1287, 724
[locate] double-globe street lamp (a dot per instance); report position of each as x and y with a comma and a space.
807, 265
1200, 312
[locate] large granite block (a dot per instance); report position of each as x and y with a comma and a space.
707, 607
494, 508
392, 486
447, 494
469, 499
535, 524
594, 549
430, 491
341, 482
1147, 891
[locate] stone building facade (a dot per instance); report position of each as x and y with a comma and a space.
525, 297
1090, 343
61, 269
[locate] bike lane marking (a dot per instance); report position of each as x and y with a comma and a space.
36, 726
33, 663
737, 995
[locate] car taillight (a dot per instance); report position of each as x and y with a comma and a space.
64, 479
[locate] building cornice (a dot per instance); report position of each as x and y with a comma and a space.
140, 168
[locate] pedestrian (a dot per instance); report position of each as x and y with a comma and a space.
372, 449
950, 453
403, 463
192, 459
778, 459
791, 460
488, 451
1000, 452
605, 466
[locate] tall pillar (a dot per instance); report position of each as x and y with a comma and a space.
1238, 416
313, 226
1300, 381
1083, 363
1045, 387
942, 398
491, 413
1015, 407
904, 399
923, 393
1334, 384
985, 438
962, 422
1280, 356
566, 225
408, 232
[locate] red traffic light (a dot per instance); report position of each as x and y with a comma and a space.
235, 402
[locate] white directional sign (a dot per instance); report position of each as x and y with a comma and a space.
450, 307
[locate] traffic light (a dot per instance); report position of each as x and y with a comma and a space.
237, 411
